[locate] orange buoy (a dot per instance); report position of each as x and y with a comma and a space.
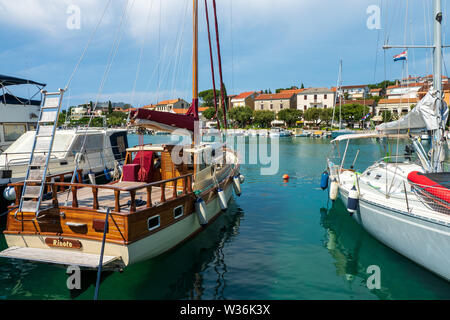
285, 177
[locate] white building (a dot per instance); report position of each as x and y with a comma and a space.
315, 98
404, 92
169, 105
78, 112
356, 92
397, 107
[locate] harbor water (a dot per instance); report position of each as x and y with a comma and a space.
279, 240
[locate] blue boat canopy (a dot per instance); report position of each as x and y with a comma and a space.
11, 81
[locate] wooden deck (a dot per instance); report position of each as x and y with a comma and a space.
106, 197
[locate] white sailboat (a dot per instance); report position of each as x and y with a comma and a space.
403, 203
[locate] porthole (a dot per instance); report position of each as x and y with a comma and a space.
178, 212
153, 223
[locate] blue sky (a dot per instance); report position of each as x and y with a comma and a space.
265, 44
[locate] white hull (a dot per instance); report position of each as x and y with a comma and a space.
425, 242
146, 248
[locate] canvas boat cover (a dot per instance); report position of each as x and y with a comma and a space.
435, 186
164, 121
425, 115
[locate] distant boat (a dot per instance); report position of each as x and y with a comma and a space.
300, 133
279, 132
337, 133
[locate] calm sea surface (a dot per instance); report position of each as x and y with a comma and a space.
277, 241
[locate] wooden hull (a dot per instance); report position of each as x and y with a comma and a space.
145, 248
129, 235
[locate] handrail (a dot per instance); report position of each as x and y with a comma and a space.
74, 187
125, 189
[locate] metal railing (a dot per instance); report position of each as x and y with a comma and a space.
436, 198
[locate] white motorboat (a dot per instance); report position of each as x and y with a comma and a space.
104, 148
17, 114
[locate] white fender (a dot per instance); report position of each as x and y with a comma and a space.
222, 199
352, 202
237, 186
334, 188
9, 193
241, 178
200, 208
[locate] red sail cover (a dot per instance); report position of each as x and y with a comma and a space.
436, 184
163, 120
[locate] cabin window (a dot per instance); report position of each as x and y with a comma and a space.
13, 131
377, 177
93, 142
178, 212
153, 223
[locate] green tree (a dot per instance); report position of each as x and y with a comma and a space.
110, 108
263, 118
353, 112
117, 118
326, 115
62, 117
241, 115
290, 116
209, 113
386, 116
207, 97
312, 114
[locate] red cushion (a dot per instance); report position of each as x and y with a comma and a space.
130, 172
145, 160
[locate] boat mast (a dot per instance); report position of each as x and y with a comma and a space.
438, 153
340, 94
437, 85
195, 60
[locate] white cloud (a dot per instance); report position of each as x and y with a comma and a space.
47, 17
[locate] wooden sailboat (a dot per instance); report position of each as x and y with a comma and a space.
156, 205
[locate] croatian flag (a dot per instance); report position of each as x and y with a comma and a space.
401, 56
366, 116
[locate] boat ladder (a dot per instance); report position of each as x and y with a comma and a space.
34, 184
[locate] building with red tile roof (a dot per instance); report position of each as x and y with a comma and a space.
244, 99
276, 101
168, 105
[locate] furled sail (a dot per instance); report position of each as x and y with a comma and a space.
162, 121
425, 115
